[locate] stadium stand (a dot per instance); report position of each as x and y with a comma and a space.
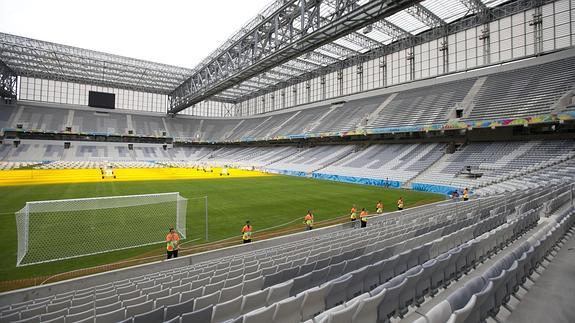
535, 90
402, 260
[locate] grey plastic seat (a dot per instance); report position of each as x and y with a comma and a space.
111, 317
313, 302
167, 300
88, 306
389, 306
279, 292
300, 284
52, 307
233, 281
408, 293
319, 276
355, 287
227, 310
253, 285
139, 308
387, 269
289, 273
55, 314
344, 315
288, 310
423, 286
335, 270
181, 288
211, 288
253, 275
87, 320
192, 294
337, 291
107, 308
200, 283
79, 316
229, 293
134, 301
371, 278
262, 315
129, 295
367, 307
272, 279
401, 265
439, 313
32, 319
179, 309
438, 276
158, 294
254, 300
203, 315
206, 300
59, 319
307, 268
156, 315
461, 315
484, 303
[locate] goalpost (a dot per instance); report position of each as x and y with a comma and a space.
64, 229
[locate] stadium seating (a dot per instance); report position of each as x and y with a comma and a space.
378, 274
524, 92
515, 92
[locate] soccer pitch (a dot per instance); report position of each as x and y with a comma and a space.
266, 201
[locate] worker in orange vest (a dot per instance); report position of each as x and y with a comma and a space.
353, 213
363, 217
400, 204
465, 194
172, 241
247, 232
379, 207
308, 220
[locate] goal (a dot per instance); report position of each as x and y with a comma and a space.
64, 229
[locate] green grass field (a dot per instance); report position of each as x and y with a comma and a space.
265, 201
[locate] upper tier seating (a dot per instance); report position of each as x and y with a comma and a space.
524, 92
515, 92
423, 106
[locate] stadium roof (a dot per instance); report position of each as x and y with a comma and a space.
277, 47
41, 59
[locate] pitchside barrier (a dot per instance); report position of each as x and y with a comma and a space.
64, 229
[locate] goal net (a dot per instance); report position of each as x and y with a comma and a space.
63, 229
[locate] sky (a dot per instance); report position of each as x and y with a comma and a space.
175, 32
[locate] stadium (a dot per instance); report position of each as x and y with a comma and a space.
331, 161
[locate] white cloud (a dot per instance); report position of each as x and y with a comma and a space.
175, 32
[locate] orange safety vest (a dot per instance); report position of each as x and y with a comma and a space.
172, 241
247, 232
353, 213
363, 216
308, 219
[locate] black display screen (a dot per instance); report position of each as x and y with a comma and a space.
102, 100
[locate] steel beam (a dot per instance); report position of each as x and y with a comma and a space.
273, 42
8, 81
472, 21
35, 58
425, 15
